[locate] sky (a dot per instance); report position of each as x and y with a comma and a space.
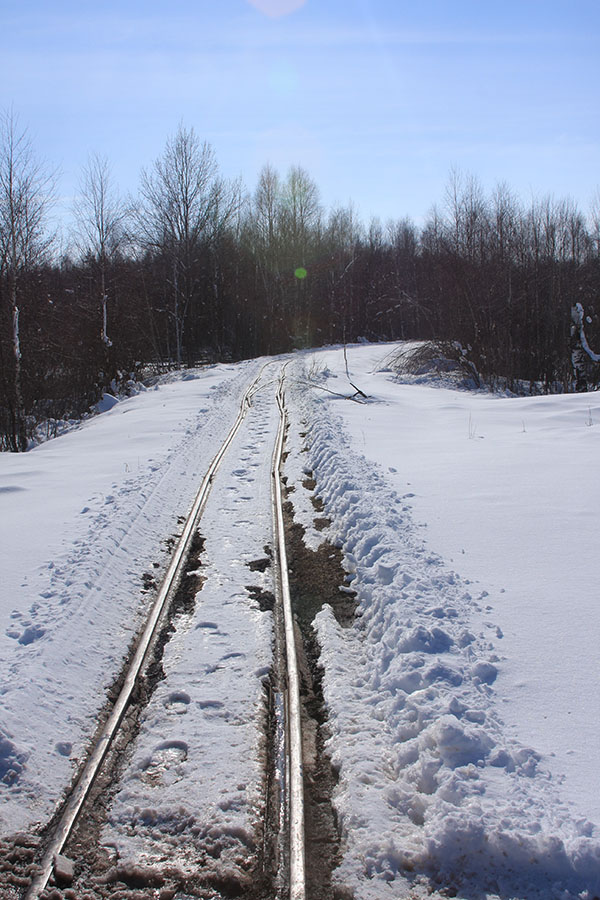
377, 99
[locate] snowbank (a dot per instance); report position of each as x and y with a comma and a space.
432, 781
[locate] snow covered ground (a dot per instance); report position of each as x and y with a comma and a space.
464, 711
83, 518
193, 789
463, 708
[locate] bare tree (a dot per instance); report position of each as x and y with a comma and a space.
301, 233
341, 240
184, 204
26, 193
300, 211
467, 216
266, 209
264, 239
595, 222
100, 217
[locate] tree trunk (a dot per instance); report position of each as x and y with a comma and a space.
19, 435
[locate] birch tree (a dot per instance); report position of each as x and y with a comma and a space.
301, 233
184, 203
100, 217
26, 193
265, 238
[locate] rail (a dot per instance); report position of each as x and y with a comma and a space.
80, 793
295, 876
295, 779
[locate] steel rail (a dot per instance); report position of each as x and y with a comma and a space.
295, 780
103, 743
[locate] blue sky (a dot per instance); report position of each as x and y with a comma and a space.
377, 99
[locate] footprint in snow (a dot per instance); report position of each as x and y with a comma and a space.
167, 755
64, 748
31, 634
177, 702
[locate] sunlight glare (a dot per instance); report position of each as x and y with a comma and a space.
277, 8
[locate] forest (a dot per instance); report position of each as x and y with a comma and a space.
196, 268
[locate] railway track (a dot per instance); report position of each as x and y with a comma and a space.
295, 781
291, 875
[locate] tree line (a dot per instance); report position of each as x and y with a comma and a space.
196, 268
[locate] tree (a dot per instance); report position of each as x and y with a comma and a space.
341, 239
583, 359
301, 234
100, 217
595, 223
26, 193
263, 236
184, 206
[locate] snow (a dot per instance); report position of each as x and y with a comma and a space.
464, 717
194, 781
106, 402
467, 743
82, 520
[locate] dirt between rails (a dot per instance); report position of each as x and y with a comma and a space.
18, 854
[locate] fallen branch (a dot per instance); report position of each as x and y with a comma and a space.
329, 391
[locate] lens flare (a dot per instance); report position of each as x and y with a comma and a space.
300, 273
277, 8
